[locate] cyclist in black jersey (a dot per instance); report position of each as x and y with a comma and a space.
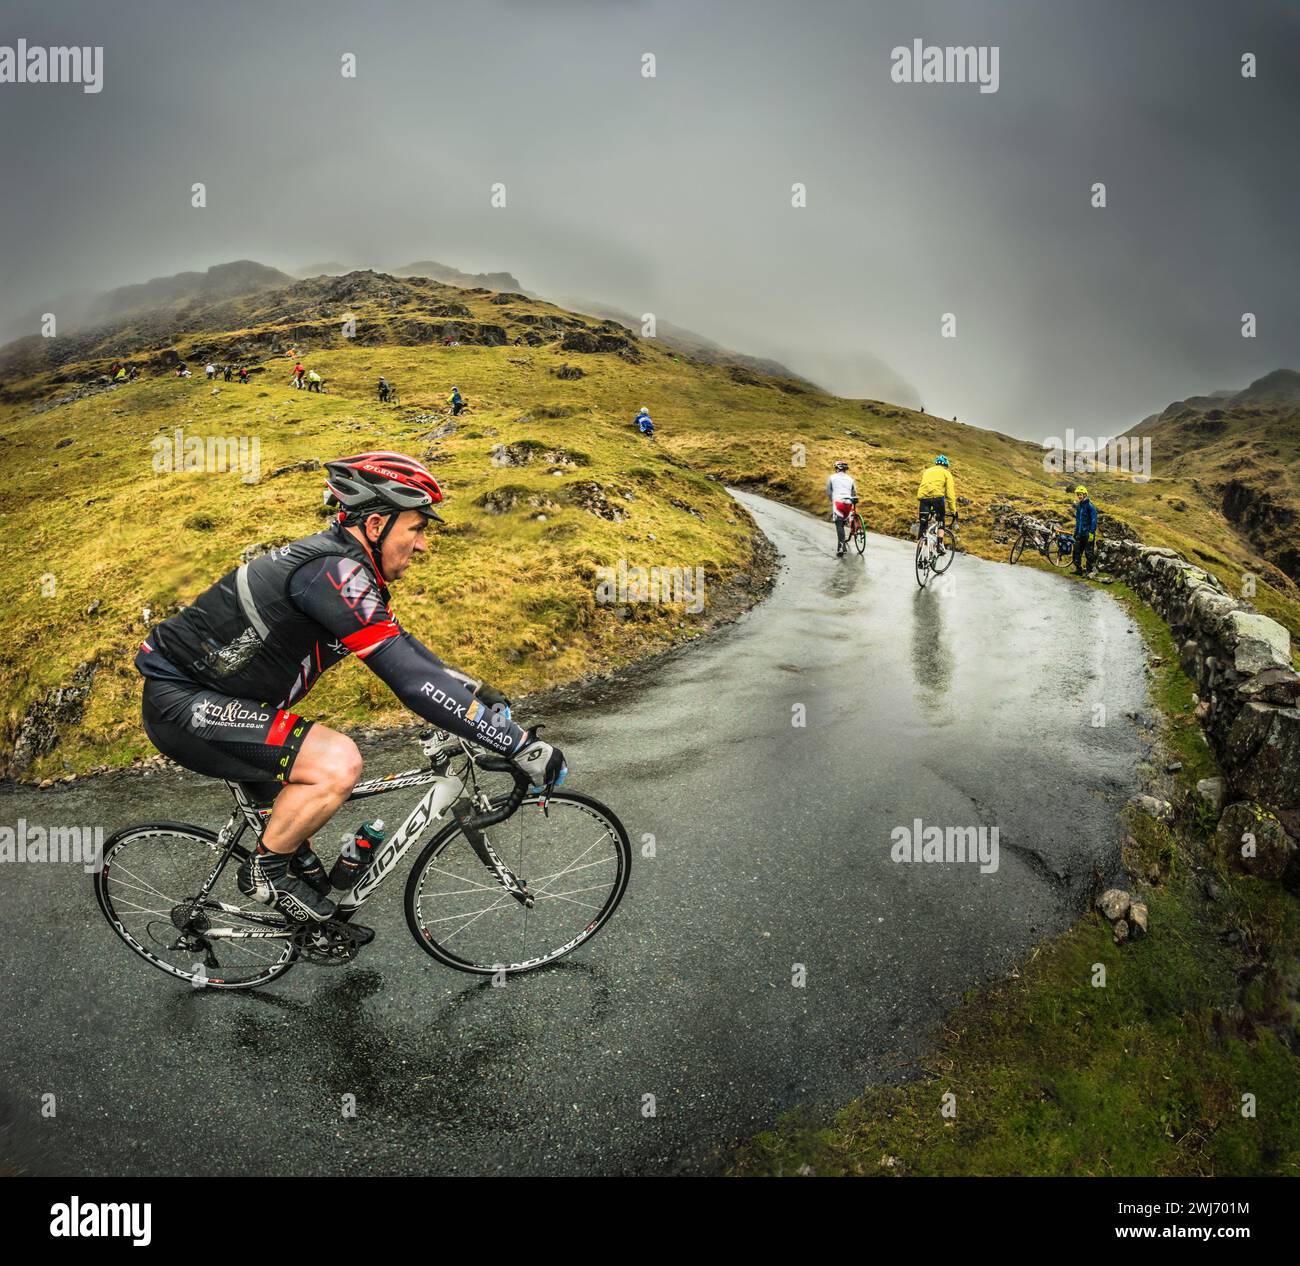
223, 677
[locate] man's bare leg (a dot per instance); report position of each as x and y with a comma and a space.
323, 775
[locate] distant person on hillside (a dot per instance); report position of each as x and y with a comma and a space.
314, 380
843, 492
243, 373
644, 424
298, 372
1085, 531
934, 494
120, 376
211, 371
384, 389
456, 401
228, 372
134, 374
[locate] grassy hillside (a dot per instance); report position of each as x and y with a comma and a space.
508, 590
1238, 454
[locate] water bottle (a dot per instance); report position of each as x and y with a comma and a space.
356, 855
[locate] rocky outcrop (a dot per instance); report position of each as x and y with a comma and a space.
1240, 661
38, 732
591, 341
525, 452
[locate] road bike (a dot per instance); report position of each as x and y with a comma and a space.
929, 561
854, 529
1051, 540
508, 899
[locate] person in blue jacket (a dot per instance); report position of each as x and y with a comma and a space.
1085, 531
643, 423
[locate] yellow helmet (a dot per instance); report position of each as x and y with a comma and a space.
1081, 491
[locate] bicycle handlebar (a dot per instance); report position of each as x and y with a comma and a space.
436, 742
501, 765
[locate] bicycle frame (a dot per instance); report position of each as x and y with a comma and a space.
931, 539
444, 791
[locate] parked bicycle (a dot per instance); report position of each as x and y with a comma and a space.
509, 900
1051, 540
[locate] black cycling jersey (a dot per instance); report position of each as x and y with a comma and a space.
268, 629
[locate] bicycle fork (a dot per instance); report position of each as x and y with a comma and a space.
517, 888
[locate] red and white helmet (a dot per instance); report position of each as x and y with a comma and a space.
373, 482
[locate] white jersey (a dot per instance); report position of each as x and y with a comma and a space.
840, 487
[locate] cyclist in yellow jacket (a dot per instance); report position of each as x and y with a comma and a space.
934, 493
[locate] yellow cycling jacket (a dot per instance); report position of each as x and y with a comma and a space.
937, 482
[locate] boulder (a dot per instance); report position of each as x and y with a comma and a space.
1137, 919
1153, 807
1250, 827
1273, 685
1114, 903
1210, 607
1263, 753
1213, 791
1260, 642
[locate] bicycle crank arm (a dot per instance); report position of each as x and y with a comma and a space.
488, 856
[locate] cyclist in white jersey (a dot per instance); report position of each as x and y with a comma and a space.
842, 492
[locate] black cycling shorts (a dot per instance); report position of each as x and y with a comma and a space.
933, 505
221, 736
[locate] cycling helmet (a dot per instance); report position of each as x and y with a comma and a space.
379, 482
841, 465
1081, 491
941, 460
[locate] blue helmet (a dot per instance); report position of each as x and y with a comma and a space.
941, 460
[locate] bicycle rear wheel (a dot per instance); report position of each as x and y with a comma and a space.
575, 860
922, 563
859, 533
943, 561
1063, 550
146, 886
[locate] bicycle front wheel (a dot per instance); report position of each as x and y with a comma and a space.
1017, 548
575, 860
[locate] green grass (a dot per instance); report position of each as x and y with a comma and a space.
1052, 1075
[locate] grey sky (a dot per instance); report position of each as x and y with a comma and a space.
672, 195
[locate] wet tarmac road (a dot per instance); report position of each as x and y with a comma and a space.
969, 704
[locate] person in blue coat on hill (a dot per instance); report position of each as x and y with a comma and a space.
643, 423
1085, 531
